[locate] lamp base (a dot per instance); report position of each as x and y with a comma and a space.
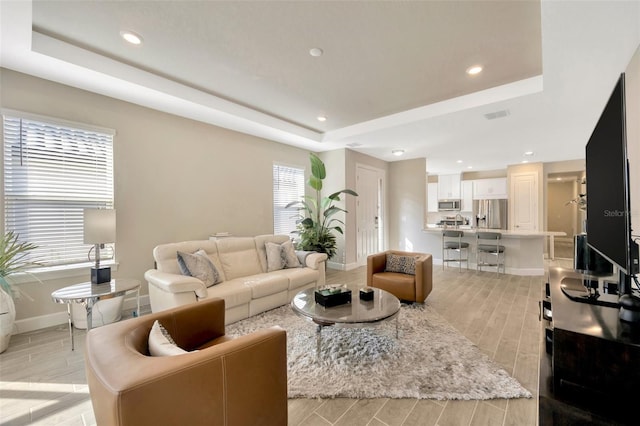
100, 275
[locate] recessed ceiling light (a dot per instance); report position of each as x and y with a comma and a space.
397, 152
459, 161
475, 69
525, 161
131, 37
316, 51
528, 153
469, 167
322, 118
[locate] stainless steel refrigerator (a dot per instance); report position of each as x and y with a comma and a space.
490, 214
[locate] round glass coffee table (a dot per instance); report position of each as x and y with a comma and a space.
359, 313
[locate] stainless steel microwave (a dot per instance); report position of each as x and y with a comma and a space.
448, 205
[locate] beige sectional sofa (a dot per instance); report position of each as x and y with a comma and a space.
247, 288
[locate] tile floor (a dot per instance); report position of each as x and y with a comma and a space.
42, 381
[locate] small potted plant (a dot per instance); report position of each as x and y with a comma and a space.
12, 260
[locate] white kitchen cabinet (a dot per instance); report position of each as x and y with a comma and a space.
449, 187
490, 189
467, 195
432, 197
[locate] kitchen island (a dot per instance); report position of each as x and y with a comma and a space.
524, 250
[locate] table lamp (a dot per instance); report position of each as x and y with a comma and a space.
99, 229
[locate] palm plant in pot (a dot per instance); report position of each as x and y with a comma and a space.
316, 223
12, 260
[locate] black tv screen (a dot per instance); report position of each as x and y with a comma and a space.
608, 221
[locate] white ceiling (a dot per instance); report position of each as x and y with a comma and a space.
392, 75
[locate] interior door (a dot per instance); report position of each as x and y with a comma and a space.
368, 214
524, 199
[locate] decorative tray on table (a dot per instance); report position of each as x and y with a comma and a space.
333, 295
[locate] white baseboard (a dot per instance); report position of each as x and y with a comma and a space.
44, 321
342, 266
335, 265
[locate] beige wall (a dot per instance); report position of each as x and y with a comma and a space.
175, 179
334, 162
560, 215
406, 199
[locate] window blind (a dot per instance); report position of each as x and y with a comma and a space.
52, 172
288, 186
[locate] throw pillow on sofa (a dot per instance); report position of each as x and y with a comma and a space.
199, 265
161, 343
402, 264
280, 256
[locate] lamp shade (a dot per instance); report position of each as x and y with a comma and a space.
99, 226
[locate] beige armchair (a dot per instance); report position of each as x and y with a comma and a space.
241, 381
405, 286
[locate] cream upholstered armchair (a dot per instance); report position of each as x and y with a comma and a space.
406, 275
222, 381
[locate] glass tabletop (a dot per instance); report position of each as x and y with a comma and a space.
383, 306
81, 292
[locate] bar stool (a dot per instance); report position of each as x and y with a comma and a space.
489, 252
452, 240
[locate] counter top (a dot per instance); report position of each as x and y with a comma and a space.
506, 233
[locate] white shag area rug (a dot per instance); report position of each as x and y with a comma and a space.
430, 360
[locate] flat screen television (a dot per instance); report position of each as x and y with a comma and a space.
608, 200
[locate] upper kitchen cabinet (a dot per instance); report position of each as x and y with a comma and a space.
467, 196
490, 189
449, 187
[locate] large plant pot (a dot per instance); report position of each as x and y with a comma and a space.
104, 312
7, 319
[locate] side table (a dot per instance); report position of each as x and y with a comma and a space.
88, 294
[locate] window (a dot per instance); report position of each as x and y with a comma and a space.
52, 172
288, 186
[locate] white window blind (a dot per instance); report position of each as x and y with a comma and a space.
288, 186
51, 173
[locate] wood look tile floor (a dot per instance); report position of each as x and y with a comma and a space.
42, 382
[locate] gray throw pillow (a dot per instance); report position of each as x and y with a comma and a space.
199, 265
401, 264
280, 256
275, 257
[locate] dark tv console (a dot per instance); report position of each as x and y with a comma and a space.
590, 360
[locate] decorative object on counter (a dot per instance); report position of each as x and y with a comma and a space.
333, 295
316, 223
13, 259
99, 229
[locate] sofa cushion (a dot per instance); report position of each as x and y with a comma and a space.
401, 264
299, 277
239, 257
200, 266
161, 343
262, 285
234, 293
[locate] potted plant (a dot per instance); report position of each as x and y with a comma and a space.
12, 260
316, 222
